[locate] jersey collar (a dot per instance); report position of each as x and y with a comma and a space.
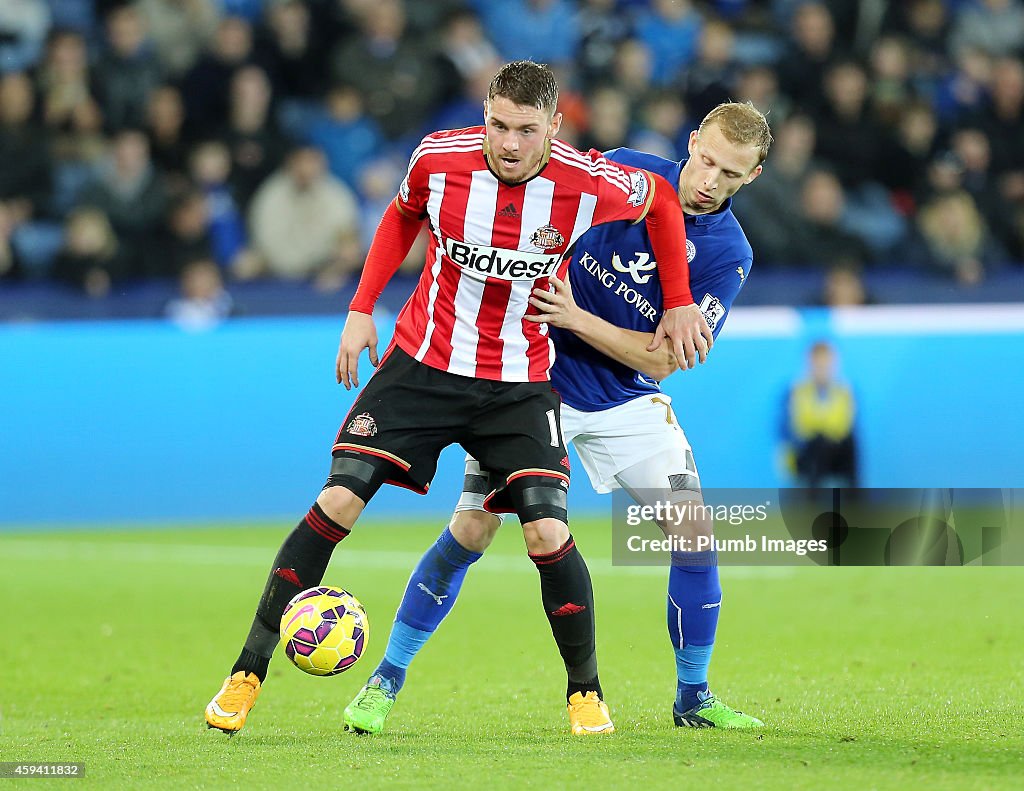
714, 217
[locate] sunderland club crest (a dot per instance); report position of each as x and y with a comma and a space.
547, 237
362, 426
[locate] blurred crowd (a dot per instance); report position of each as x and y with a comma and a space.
228, 140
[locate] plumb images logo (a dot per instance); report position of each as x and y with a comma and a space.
826, 527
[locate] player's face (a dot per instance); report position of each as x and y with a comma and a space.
822, 366
517, 138
715, 170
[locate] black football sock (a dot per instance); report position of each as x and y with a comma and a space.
300, 564
568, 597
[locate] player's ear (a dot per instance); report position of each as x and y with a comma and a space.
691, 143
555, 125
487, 111
753, 174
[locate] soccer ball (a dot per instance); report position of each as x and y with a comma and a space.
324, 630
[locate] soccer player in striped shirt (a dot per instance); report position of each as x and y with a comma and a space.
504, 203
613, 410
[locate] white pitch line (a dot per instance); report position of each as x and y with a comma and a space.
213, 555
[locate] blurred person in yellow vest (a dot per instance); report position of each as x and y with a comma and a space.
819, 424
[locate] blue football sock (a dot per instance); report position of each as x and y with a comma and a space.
429, 596
694, 601
388, 676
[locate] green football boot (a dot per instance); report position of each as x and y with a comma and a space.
368, 710
712, 713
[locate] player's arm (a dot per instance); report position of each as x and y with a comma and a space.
652, 198
629, 347
682, 321
391, 243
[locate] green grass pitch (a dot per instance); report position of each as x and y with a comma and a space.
114, 641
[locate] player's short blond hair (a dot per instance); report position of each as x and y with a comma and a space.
742, 124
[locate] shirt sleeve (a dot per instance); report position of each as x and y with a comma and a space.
715, 298
396, 232
391, 244
623, 192
415, 187
666, 230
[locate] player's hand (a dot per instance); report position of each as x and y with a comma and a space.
557, 308
359, 333
689, 332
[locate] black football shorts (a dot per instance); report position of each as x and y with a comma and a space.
409, 412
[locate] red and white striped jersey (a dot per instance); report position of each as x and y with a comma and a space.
492, 243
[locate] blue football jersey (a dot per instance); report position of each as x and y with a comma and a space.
614, 275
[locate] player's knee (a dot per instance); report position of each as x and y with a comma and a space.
692, 521
341, 504
544, 536
353, 480
474, 530
697, 528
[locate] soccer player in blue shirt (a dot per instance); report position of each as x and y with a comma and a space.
613, 411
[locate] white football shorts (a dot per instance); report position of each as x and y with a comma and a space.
633, 446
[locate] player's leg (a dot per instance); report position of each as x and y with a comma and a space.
694, 595
528, 430
364, 458
435, 583
567, 595
300, 564
429, 596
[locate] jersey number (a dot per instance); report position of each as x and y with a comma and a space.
553, 427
